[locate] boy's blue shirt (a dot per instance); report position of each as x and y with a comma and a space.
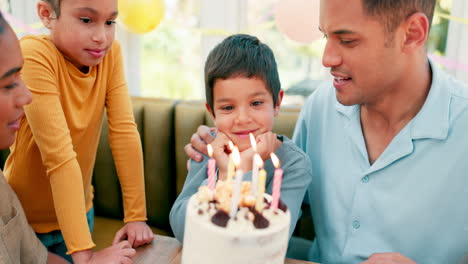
296, 178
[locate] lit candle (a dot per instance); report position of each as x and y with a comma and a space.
230, 170
261, 190
255, 174
211, 168
255, 161
276, 181
237, 183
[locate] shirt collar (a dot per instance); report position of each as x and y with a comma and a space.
432, 121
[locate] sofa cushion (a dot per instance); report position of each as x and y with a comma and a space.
188, 116
154, 118
158, 147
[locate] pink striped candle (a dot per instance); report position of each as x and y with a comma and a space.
278, 177
237, 183
211, 168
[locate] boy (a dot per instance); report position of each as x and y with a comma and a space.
74, 74
18, 242
243, 95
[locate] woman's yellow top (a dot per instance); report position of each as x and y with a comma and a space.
51, 163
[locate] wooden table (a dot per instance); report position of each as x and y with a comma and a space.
167, 250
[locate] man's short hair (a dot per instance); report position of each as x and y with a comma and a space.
392, 13
55, 4
241, 55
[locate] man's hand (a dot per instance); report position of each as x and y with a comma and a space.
136, 233
198, 143
388, 258
120, 253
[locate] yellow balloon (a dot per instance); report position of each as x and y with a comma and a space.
141, 16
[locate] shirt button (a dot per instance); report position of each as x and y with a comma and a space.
356, 225
365, 179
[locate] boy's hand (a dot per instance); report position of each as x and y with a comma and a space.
198, 143
246, 159
266, 144
220, 145
120, 253
136, 233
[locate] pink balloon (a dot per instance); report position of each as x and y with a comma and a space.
298, 19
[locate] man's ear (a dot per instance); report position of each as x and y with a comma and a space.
278, 102
416, 31
208, 108
46, 14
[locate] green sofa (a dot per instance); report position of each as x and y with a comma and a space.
165, 127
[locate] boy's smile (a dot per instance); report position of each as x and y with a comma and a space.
245, 133
241, 106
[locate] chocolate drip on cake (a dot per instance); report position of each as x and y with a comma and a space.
260, 221
220, 218
282, 206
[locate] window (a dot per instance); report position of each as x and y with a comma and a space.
171, 64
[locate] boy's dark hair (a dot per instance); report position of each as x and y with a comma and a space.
392, 13
55, 4
241, 55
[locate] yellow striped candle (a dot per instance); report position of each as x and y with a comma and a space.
260, 190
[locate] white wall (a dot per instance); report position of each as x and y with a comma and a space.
24, 10
131, 51
228, 15
458, 39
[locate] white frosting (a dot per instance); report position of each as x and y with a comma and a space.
238, 242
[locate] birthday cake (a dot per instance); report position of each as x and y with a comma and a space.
253, 232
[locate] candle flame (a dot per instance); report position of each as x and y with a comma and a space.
230, 145
253, 142
236, 157
210, 150
259, 161
275, 160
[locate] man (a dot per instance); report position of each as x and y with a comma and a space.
386, 141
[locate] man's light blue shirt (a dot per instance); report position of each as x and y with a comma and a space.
413, 199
